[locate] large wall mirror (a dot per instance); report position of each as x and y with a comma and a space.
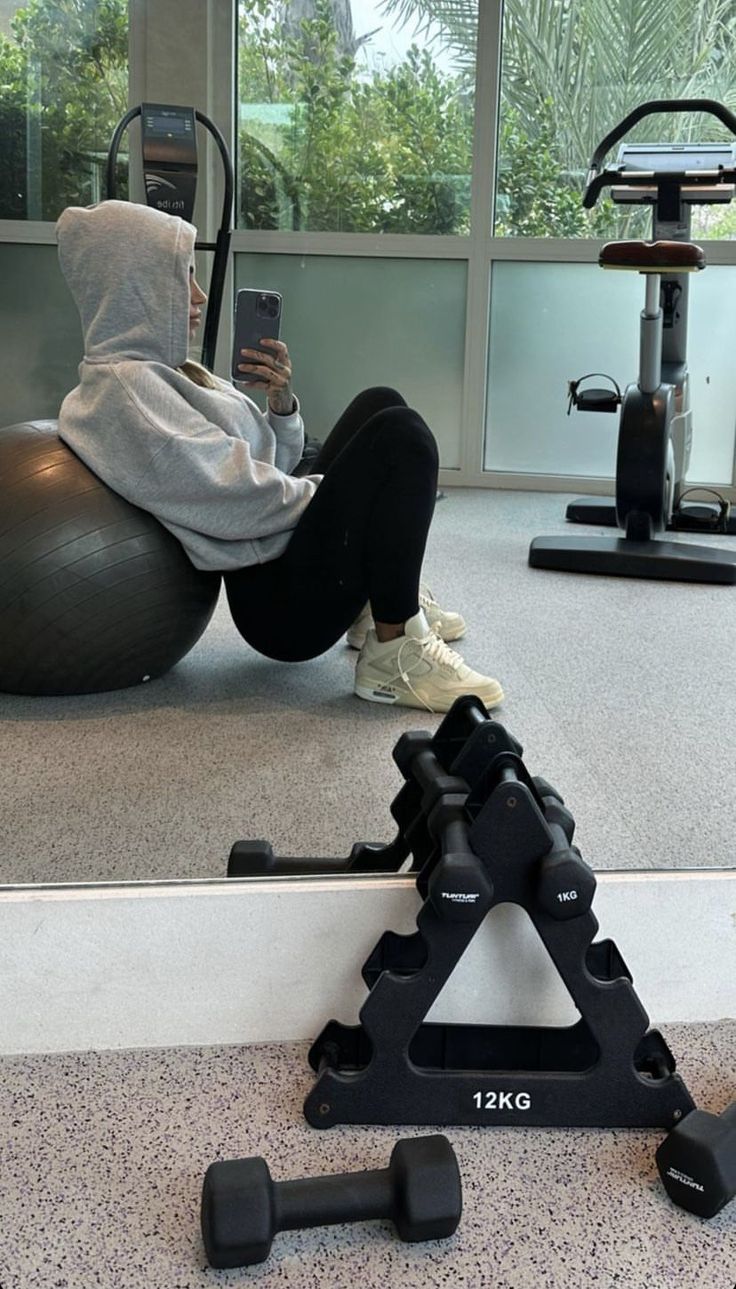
621, 691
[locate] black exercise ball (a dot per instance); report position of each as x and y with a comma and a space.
95, 594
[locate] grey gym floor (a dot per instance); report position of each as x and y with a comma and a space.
103, 1156
622, 693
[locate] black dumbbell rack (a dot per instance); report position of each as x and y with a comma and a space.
506, 838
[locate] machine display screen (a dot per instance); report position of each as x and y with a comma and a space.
673, 157
171, 125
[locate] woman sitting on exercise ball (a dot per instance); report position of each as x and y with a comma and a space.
301, 557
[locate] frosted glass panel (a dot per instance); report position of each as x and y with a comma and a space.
351, 323
554, 322
40, 334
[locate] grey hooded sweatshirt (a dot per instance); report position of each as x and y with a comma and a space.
206, 462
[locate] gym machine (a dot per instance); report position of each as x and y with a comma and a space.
169, 145
655, 427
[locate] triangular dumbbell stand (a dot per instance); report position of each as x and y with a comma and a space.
506, 839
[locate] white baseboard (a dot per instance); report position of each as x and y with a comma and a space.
180, 964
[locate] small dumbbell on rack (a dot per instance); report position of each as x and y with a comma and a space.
243, 1208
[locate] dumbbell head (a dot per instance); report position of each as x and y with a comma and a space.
409, 745
243, 1208
697, 1161
460, 889
427, 1190
251, 859
565, 883
238, 1214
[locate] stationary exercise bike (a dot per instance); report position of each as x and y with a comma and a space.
655, 429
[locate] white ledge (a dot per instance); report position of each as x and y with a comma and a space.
169, 964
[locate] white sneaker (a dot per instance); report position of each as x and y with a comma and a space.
447, 625
418, 670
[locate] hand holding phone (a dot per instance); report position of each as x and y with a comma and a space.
257, 318
263, 363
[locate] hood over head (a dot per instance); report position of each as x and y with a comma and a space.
127, 267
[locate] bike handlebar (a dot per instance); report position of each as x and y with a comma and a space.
596, 181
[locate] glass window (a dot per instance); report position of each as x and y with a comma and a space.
551, 323
355, 116
570, 72
352, 322
63, 87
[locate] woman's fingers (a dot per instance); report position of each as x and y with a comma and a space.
272, 371
279, 359
275, 368
281, 353
275, 379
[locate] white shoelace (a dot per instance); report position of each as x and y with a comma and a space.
432, 647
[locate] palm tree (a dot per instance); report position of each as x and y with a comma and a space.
595, 60
294, 12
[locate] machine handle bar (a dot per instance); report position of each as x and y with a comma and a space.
650, 179
595, 181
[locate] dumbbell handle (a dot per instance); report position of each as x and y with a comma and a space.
454, 837
323, 1201
560, 840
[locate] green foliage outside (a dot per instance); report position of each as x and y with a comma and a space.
63, 86
322, 146
392, 154
572, 69
531, 200
389, 155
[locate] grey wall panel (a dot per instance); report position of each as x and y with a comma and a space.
40, 333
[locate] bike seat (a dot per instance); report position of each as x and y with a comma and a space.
652, 257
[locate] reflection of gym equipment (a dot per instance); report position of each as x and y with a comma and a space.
169, 145
243, 1208
655, 430
95, 594
464, 744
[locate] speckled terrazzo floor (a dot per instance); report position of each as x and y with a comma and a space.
620, 690
102, 1157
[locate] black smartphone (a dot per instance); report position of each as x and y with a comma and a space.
257, 316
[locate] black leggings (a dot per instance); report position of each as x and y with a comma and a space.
362, 536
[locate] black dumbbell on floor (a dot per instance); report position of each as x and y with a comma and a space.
243, 1208
697, 1161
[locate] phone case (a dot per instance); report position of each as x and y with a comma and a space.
257, 316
